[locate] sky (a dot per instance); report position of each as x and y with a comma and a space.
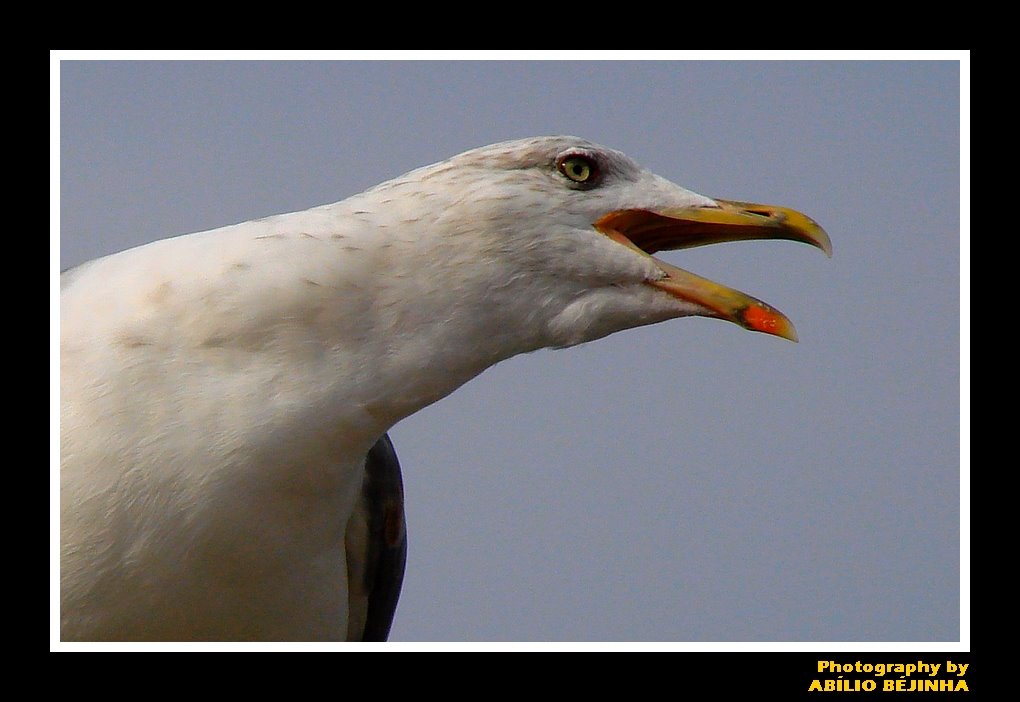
683, 482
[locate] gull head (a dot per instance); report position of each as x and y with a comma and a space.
556, 235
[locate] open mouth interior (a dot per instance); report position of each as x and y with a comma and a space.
647, 232
653, 232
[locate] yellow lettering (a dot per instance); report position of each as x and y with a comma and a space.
959, 669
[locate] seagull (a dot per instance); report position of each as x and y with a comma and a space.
226, 473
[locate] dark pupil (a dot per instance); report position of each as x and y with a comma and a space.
577, 168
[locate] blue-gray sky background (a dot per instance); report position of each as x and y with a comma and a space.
688, 481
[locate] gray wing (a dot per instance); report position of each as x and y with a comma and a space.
376, 543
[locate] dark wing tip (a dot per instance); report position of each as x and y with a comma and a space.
383, 491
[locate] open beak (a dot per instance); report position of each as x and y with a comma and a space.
647, 231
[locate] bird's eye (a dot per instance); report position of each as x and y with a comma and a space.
579, 169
